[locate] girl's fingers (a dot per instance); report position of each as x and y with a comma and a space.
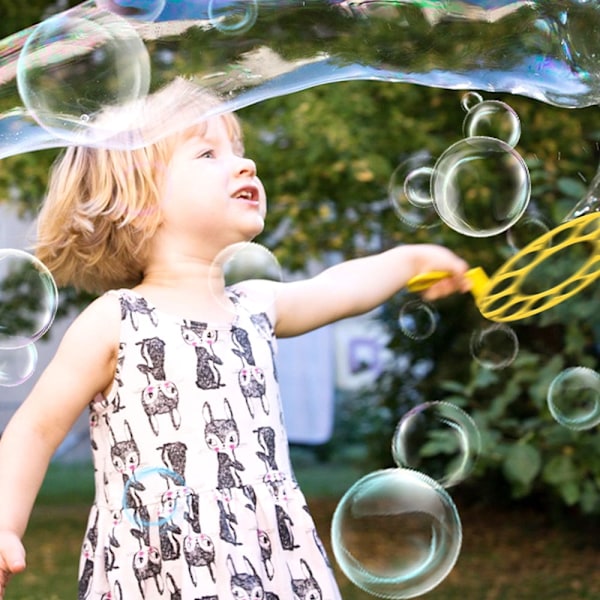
447, 286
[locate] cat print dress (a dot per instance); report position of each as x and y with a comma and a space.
195, 495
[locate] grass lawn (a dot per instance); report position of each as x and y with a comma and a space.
513, 554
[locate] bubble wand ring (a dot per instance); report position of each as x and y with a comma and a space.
500, 298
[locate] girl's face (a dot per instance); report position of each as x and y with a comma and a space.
211, 193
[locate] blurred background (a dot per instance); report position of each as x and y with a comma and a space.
334, 160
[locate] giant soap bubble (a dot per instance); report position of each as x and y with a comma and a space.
92, 55
418, 529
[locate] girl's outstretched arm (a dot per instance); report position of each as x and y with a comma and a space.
84, 365
357, 286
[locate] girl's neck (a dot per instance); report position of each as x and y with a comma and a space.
193, 288
183, 271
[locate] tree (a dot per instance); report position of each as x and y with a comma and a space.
327, 156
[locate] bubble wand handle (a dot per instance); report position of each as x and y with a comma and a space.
477, 276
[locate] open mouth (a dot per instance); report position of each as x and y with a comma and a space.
248, 194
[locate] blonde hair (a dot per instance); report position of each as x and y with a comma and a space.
101, 207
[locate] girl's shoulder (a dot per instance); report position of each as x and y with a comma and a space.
101, 318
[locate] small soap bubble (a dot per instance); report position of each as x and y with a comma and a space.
417, 186
396, 533
438, 439
169, 503
72, 67
574, 398
493, 118
495, 346
233, 16
469, 100
526, 231
409, 192
141, 10
17, 365
480, 186
418, 319
28, 298
250, 261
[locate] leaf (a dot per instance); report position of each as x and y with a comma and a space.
570, 492
560, 469
571, 187
453, 386
522, 464
590, 500
440, 442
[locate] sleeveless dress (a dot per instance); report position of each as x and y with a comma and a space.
195, 494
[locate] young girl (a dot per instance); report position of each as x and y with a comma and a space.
195, 495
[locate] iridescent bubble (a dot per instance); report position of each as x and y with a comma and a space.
418, 319
409, 192
469, 100
396, 533
551, 57
574, 398
233, 16
495, 346
493, 118
438, 439
28, 298
525, 231
72, 67
250, 261
170, 500
480, 186
141, 10
17, 365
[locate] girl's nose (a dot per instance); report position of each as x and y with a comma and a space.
246, 166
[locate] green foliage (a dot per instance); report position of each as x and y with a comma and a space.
521, 439
322, 147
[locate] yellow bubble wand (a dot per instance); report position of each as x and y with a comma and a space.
501, 297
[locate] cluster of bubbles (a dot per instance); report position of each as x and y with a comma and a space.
479, 186
435, 446
23, 276
75, 64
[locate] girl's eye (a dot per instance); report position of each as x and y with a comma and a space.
207, 154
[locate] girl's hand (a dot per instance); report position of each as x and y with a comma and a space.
12, 558
438, 258
457, 282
